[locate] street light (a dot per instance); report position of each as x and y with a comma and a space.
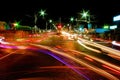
71, 26
72, 19
42, 13
50, 21
36, 15
16, 25
85, 15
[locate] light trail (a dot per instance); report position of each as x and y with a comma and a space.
104, 48
111, 69
8, 54
91, 67
114, 43
59, 59
97, 51
50, 67
92, 58
99, 60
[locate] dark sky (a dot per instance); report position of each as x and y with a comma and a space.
23, 10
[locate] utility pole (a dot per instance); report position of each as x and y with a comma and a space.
46, 25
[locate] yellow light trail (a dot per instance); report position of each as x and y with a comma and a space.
80, 61
99, 60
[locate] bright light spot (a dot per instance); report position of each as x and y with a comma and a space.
65, 33
114, 43
85, 14
71, 19
113, 27
42, 13
116, 18
21, 47
19, 39
105, 26
50, 20
91, 39
2, 40
15, 24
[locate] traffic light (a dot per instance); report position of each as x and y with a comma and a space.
59, 26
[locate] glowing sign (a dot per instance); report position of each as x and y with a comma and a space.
116, 18
113, 27
100, 30
105, 26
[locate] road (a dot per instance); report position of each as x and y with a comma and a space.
90, 62
71, 60
31, 64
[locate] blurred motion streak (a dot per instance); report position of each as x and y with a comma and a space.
111, 69
97, 51
103, 48
91, 67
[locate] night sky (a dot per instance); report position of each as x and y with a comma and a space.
23, 10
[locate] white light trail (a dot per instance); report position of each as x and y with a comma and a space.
114, 43
91, 67
97, 51
104, 48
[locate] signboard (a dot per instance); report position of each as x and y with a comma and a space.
116, 18
113, 27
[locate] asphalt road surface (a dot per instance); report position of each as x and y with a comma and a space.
33, 65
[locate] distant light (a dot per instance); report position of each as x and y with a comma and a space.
89, 25
42, 13
105, 26
84, 14
101, 30
68, 24
113, 27
59, 26
50, 21
16, 24
80, 29
72, 19
116, 18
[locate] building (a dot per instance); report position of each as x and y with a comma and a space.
3, 25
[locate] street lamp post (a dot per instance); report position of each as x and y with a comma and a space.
50, 21
43, 13
35, 22
85, 16
35, 19
71, 20
36, 15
